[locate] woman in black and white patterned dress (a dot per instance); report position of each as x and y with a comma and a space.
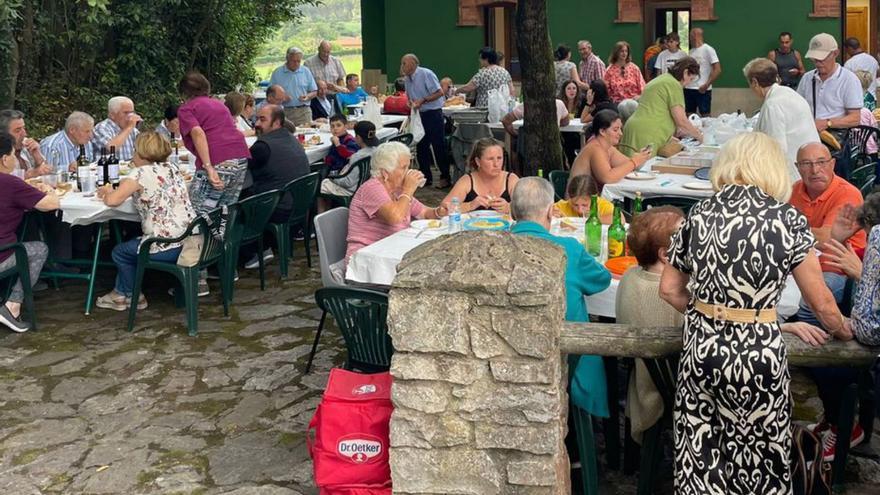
728, 265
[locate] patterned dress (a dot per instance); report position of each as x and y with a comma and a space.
489, 78
732, 409
163, 202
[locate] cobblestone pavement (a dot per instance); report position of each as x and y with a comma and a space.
86, 407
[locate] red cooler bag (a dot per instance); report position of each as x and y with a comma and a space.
349, 448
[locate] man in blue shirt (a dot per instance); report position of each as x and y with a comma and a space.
62, 148
356, 93
532, 207
425, 95
298, 82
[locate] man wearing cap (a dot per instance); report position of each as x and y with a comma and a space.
833, 93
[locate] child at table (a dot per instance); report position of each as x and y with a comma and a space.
344, 145
578, 194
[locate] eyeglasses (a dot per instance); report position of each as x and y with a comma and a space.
818, 163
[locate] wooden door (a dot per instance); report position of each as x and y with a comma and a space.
857, 25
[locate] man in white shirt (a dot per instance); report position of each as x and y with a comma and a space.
698, 94
833, 93
670, 55
859, 60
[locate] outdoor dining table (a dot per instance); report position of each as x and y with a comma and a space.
661, 184
317, 152
376, 265
388, 120
77, 209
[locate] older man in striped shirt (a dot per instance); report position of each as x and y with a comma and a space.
63, 146
119, 129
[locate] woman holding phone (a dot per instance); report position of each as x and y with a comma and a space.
600, 158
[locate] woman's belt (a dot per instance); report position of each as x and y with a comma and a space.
723, 313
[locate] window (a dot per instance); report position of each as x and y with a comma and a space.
674, 20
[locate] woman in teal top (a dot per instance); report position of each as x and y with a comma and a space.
661, 110
584, 276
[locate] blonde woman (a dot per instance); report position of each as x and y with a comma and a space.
159, 194
727, 266
237, 105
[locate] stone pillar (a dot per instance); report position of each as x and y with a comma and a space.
479, 389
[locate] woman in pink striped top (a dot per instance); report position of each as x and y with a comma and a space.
385, 204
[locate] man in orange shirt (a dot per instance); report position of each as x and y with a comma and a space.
819, 195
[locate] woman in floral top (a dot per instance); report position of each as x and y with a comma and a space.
159, 193
623, 78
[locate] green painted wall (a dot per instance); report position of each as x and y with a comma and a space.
745, 29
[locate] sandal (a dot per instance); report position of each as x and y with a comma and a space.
112, 300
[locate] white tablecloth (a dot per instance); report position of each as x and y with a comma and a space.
574, 125
377, 263
317, 152
662, 185
387, 119
77, 209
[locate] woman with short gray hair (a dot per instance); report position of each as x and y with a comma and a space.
385, 204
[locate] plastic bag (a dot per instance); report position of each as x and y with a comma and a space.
498, 102
373, 112
413, 125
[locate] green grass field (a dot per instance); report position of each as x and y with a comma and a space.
352, 63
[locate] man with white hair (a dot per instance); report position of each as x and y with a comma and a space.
531, 205
327, 68
298, 82
427, 96
63, 146
119, 129
27, 150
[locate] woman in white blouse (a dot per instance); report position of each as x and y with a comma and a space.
241, 107
785, 115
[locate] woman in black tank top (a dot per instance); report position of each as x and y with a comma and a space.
488, 186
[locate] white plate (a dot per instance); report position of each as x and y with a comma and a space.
701, 185
578, 222
641, 176
484, 214
426, 225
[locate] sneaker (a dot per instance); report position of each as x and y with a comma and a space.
204, 290
254, 262
216, 276
40, 286
819, 428
300, 236
829, 441
14, 324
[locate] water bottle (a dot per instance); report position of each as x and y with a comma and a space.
454, 216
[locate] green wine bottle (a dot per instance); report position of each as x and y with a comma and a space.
616, 235
593, 229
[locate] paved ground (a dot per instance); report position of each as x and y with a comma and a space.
86, 407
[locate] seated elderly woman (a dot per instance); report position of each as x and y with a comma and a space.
158, 191
532, 208
638, 303
578, 200
488, 186
626, 109
237, 103
17, 198
600, 157
385, 204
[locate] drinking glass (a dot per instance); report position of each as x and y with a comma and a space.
88, 184
50, 180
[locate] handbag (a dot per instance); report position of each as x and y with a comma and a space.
810, 474
191, 249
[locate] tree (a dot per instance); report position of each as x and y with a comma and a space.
62, 55
542, 148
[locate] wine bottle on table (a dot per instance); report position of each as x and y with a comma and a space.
616, 235
113, 168
593, 229
82, 168
103, 177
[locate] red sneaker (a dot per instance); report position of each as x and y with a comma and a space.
829, 441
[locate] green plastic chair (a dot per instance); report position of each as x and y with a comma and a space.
664, 372
559, 179
361, 317
405, 138
681, 202
863, 176
586, 443
868, 187
362, 168
19, 272
208, 227
303, 192
247, 227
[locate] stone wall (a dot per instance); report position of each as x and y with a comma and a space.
479, 394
